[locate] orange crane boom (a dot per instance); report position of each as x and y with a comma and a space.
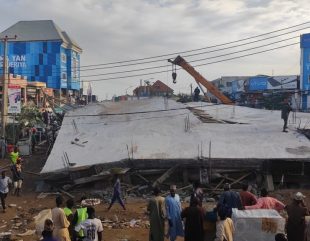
200, 79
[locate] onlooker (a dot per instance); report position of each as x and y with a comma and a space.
265, 202
14, 155
194, 218
61, 224
17, 177
68, 209
224, 227
197, 193
4, 188
92, 227
296, 211
173, 212
229, 200
117, 193
80, 216
286, 109
69, 214
33, 140
155, 208
247, 198
196, 94
280, 237
47, 233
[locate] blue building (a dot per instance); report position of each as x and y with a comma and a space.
43, 52
305, 71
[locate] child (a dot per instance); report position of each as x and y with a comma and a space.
47, 233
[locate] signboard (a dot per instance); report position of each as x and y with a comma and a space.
282, 82
237, 86
305, 41
14, 93
258, 83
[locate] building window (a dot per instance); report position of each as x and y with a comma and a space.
64, 76
228, 84
75, 64
63, 58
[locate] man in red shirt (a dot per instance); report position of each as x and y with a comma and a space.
247, 198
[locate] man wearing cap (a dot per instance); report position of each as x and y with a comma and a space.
229, 199
296, 211
173, 212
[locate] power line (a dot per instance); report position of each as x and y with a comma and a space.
189, 55
164, 66
209, 63
192, 50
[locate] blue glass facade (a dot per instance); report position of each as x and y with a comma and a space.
305, 70
44, 61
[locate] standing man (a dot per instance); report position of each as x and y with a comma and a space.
33, 140
224, 227
229, 200
4, 188
194, 218
197, 193
117, 193
156, 213
286, 109
196, 94
79, 217
69, 215
17, 177
61, 224
14, 155
296, 211
173, 211
247, 198
92, 227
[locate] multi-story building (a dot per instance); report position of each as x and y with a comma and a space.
43, 52
305, 71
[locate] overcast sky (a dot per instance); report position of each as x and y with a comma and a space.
116, 30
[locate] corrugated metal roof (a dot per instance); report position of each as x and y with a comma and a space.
39, 30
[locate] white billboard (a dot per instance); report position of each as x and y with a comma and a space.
14, 93
282, 82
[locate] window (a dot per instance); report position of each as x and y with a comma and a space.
63, 58
64, 76
228, 84
75, 64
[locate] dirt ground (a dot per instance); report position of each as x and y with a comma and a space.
28, 205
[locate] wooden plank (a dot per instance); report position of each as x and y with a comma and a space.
165, 175
269, 182
66, 193
241, 178
93, 178
142, 177
220, 183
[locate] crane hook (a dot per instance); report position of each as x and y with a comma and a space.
174, 73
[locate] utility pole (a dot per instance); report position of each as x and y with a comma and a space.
5, 83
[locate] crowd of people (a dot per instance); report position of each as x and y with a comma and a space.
6, 182
167, 217
66, 225
192, 218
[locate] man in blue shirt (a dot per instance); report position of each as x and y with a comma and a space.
229, 200
117, 193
